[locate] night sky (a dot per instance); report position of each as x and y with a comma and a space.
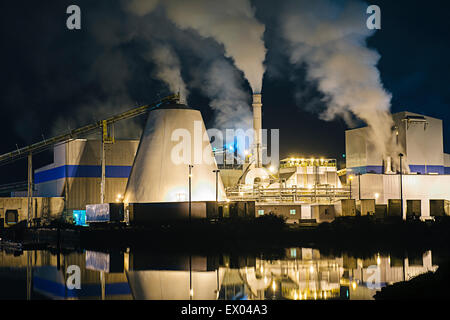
54, 79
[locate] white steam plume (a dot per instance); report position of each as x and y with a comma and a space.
330, 38
229, 22
168, 68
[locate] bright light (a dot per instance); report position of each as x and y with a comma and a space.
377, 195
228, 200
378, 260
311, 269
246, 152
325, 295
274, 286
119, 196
272, 169
310, 186
295, 296
241, 193
191, 292
351, 178
354, 285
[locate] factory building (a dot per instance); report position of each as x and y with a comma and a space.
75, 173
424, 184
306, 173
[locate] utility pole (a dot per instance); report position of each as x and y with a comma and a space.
217, 184
103, 181
190, 187
350, 178
30, 189
401, 184
359, 186
107, 137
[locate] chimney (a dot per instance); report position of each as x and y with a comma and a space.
388, 166
257, 129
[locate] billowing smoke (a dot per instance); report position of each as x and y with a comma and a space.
329, 38
210, 71
229, 22
221, 82
168, 68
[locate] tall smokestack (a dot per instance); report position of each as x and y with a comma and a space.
257, 129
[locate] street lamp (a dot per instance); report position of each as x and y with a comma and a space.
190, 181
401, 182
350, 178
217, 184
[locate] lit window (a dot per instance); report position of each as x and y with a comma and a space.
292, 211
293, 253
261, 212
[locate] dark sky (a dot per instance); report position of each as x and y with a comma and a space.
53, 78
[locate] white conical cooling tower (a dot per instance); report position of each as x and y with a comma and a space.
174, 137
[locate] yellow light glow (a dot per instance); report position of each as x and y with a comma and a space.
274, 286
378, 261
119, 196
295, 296
310, 186
325, 295
241, 193
191, 292
311, 269
350, 178
228, 200
377, 195
354, 285
315, 295
272, 169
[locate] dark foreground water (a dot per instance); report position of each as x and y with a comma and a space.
291, 273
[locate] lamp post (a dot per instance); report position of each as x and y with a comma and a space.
217, 184
350, 178
190, 180
401, 183
359, 186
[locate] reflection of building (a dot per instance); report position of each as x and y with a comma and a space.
303, 273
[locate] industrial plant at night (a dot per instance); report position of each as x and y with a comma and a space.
224, 150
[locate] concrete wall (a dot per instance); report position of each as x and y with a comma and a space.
423, 147
46, 208
415, 187
77, 167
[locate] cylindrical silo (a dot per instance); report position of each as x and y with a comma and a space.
174, 138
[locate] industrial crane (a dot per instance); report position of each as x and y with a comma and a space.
38, 147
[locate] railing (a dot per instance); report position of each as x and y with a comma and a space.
315, 194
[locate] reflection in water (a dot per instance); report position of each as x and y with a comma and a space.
302, 273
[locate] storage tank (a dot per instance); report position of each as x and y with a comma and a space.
174, 138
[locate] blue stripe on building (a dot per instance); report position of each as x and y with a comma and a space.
81, 171
367, 169
422, 169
